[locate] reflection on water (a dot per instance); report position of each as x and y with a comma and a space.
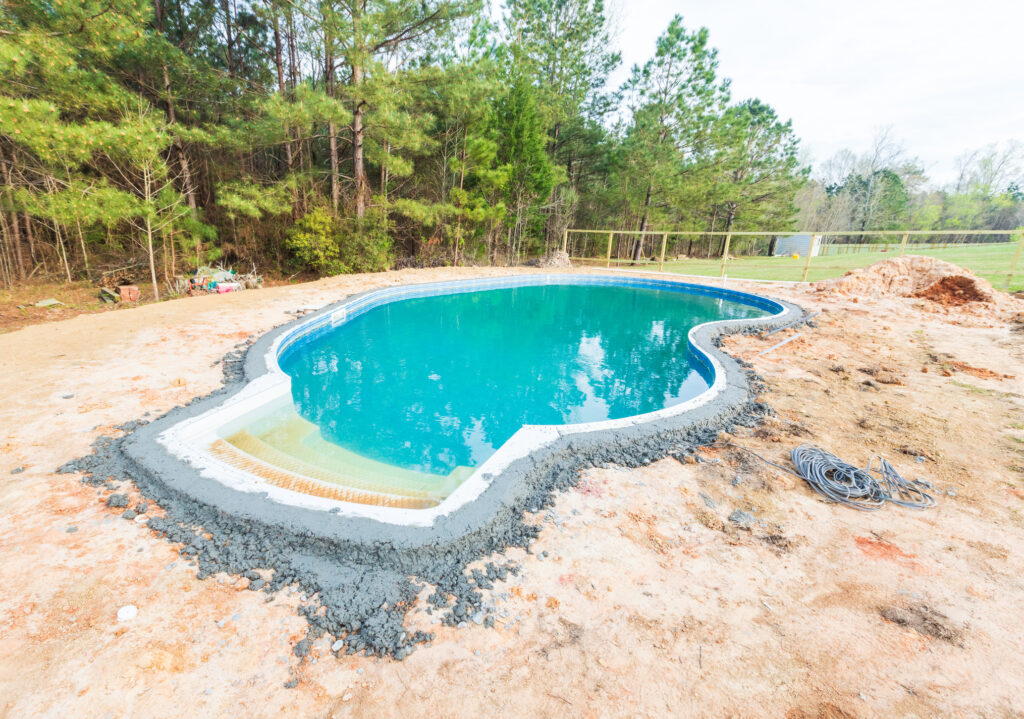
437, 382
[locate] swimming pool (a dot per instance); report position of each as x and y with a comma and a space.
402, 404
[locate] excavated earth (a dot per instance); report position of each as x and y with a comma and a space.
726, 579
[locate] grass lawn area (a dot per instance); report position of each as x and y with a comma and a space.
991, 262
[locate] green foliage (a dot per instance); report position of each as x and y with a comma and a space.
364, 243
247, 199
314, 242
521, 150
333, 246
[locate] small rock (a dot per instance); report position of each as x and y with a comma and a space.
743, 520
129, 514
141, 507
127, 613
117, 500
72, 529
708, 501
336, 647
478, 618
17, 470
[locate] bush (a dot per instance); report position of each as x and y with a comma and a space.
314, 243
333, 246
366, 242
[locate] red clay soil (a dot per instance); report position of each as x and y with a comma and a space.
953, 291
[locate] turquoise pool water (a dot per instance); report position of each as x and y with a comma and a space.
439, 383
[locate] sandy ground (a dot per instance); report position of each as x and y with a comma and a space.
648, 602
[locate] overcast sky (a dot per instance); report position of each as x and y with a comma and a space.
948, 76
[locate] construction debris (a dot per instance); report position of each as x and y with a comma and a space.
220, 280
128, 293
558, 259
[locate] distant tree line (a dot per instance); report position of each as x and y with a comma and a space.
356, 135
884, 189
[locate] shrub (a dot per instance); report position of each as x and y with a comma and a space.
334, 246
366, 242
314, 242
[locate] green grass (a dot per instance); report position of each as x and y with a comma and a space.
992, 263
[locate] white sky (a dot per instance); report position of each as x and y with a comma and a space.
948, 76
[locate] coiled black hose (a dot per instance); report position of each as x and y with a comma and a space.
841, 482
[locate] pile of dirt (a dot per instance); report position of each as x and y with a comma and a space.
954, 290
913, 276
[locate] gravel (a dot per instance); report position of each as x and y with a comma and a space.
743, 520
117, 500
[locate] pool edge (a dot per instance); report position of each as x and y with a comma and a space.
513, 488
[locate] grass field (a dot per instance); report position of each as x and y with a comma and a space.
992, 263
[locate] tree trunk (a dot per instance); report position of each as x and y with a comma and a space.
31, 237
332, 130
179, 151
358, 160
279, 61
152, 260
85, 255
728, 226
148, 196
226, 7
15, 230
639, 247
61, 250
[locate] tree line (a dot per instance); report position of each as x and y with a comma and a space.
357, 135
884, 188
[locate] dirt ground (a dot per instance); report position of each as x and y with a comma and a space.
640, 597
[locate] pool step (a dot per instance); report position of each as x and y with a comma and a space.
354, 476
284, 441
306, 485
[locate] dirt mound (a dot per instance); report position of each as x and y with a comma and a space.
913, 276
954, 290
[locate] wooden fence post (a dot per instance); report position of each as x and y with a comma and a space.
565, 239
807, 262
608, 257
903, 245
661, 262
1016, 259
725, 254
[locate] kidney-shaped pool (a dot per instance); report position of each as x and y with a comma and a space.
395, 398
